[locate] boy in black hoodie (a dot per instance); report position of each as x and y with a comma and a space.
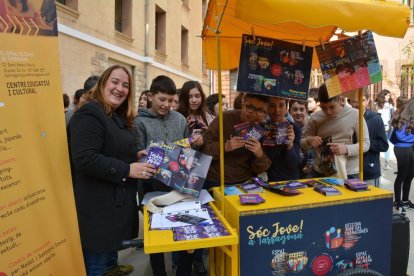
378, 141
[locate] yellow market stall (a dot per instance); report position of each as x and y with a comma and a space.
309, 23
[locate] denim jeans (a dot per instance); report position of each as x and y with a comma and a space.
97, 264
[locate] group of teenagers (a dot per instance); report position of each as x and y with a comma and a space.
108, 140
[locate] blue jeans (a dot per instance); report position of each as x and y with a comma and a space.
388, 152
97, 264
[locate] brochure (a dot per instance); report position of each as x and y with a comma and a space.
193, 232
163, 221
327, 190
275, 133
356, 185
249, 130
251, 199
182, 169
251, 188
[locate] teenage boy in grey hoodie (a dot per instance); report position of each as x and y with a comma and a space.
160, 123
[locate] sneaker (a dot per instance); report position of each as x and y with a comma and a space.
120, 270
398, 206
408, 204
199, 268
174, 269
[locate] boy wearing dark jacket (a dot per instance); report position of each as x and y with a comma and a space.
378, 141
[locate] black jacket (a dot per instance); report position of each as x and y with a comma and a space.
101, 149
378, 143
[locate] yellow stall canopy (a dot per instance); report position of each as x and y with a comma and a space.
308, 22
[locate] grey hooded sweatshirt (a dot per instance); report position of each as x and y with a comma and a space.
153, 128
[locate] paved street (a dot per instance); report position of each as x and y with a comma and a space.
141, 261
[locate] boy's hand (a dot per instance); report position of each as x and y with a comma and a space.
197, 140
235, 142
314, 141
254, 146
338, 149
290, 137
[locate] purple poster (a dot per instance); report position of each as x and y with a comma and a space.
349, 64
274, 67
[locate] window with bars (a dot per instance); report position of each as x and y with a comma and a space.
184, 45
123, 16
73, 4
160, 29
118, 15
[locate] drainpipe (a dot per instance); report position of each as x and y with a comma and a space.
147, 41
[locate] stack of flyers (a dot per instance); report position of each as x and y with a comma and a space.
193, 232
327, 190
249, 130
356, 185
332, 181
295, 185
251, 199
251, 188
281, 189
275, 133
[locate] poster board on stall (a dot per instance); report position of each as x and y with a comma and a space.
274, 67
38, 225
349, 64
317, 241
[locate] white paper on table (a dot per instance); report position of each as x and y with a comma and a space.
204, 196
182, 206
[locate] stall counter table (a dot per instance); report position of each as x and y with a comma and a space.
312, 234
156, 241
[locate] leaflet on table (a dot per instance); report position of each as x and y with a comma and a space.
162, 221
204, 197
194, 232
182, 169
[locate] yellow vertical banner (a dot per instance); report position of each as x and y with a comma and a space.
38, 225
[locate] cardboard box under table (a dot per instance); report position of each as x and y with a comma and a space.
312, 234
156, 241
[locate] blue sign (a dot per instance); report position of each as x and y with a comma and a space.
274, 67
317, 241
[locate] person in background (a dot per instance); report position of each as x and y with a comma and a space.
299, 112
143, 100
192, 105
176, 102
160, 123
238, 101
385, 107
90, 82
313, 101
340, 123
66, 102
243, 158
403, 139
377, 138
285, 158
213, 104
105, 170
78, 99
193, 108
